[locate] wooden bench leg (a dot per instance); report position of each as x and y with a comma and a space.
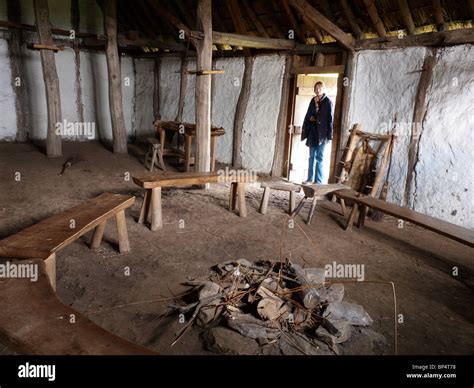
188, 145
351, 218
156, 216
241, 193
124, 244
50, 266
97, 236
343, 207
213, 153
297, 210
160, 161
311, 210
362, 213
233, 196
264, 203
153, 159
292, 202
145, 207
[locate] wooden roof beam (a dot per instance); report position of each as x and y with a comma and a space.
318, 19
406, 16
293, 22
349, 15
237, 20
254, 18
251, 41
471, 7
441, 24
374, 16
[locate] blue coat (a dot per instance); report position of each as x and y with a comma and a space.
319, 131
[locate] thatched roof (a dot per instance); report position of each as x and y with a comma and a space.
270, 18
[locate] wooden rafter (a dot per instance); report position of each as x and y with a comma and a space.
237, 20
254, 18
406, 16
303, 7
374, 16
471, 7
349, 15
293, 22
441, 24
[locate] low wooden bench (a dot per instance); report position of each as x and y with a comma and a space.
362, 203
44, 239
34, 321
316, 191
152, 184
279, 186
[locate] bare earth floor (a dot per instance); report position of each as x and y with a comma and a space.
437, 307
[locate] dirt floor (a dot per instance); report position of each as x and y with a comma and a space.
437, 307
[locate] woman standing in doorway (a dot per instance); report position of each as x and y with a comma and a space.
317, 130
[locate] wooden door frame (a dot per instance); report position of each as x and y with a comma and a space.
337, 121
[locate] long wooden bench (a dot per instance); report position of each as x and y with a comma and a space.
362, 203
152, 184
44, 239
34, 321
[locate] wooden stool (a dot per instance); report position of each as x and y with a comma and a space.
154, 156
281, 186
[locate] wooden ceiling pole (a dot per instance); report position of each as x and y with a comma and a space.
321, 21
471, 7
254, 18
50, 77
237, 20
293, 22
115, 77
349, 15
441, 25
203, 87
406, 16
374, 16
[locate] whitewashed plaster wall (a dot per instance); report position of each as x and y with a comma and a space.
385, 82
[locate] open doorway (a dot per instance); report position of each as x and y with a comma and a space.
299, 152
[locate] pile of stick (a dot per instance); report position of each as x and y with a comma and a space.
277, 303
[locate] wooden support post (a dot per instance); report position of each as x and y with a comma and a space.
418, 117
156, 215
145, 207
50, 268
278, 153
124, 244
115, 77
18, 75
51, 80
264, 203
241, 193
203, 88
97, 236
240, 112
